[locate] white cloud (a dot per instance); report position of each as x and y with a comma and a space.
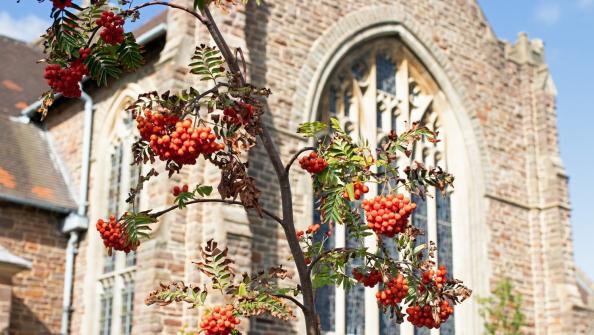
26, 28
585, 3
548, 13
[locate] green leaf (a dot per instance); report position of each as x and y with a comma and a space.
350, 187
199, 4
310, 129
204, 190
102, 65
208, 63
129, 53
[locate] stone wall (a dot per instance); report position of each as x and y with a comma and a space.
36, 303
504, 100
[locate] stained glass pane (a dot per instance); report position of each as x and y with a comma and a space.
355, 297
108, 262
388, 326
346, 100
332, 101
419, 218
131, 259
359, 69
444, 247
386, 74
106, 311
422, 331
325, 296
127, 307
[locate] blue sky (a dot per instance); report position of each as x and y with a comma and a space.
566, 26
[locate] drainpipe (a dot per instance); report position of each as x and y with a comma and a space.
79, 221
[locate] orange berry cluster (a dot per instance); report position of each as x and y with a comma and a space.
394, 291
312, 163
220, 322
240, 114
176, 140
369, 280
438, 277
388, 215
113, 27
61, 4
66, 80
360, 189
177, 190
423, 316
114, 235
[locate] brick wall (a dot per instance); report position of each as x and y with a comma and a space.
37, 293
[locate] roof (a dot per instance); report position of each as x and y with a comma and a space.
21, 77
29, 174
152, 23
7, 259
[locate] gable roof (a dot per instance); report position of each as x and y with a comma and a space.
21, 77
29, 174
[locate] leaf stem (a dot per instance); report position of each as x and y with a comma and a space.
229, 202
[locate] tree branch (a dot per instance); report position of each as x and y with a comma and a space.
229, 202
295, 301
288, 224
324, 254
288, 167
164, 3
222, 44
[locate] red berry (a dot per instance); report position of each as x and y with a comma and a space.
312, 163
424, 316
114, 235
388, 215
220, 321
113, 30
61, 4
181, 144
370, 279
394, 292
66, 80
359, 190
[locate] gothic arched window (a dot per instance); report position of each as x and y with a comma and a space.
378, 87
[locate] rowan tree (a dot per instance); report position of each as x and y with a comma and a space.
221, 124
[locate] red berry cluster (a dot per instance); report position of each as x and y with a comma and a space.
438, 277
370, 279
177, 190
423, 316
113, 27
61, 4
66, 80
240, 114
114, 235
360, 189
394, 291
176, 140
220, 321
388, 215
312, 163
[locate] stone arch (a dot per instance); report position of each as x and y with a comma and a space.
382, 21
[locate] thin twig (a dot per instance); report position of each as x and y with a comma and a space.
164, 3
296, 155
295, 301
324, 254
229, 202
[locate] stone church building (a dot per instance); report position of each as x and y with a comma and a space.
376, 65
